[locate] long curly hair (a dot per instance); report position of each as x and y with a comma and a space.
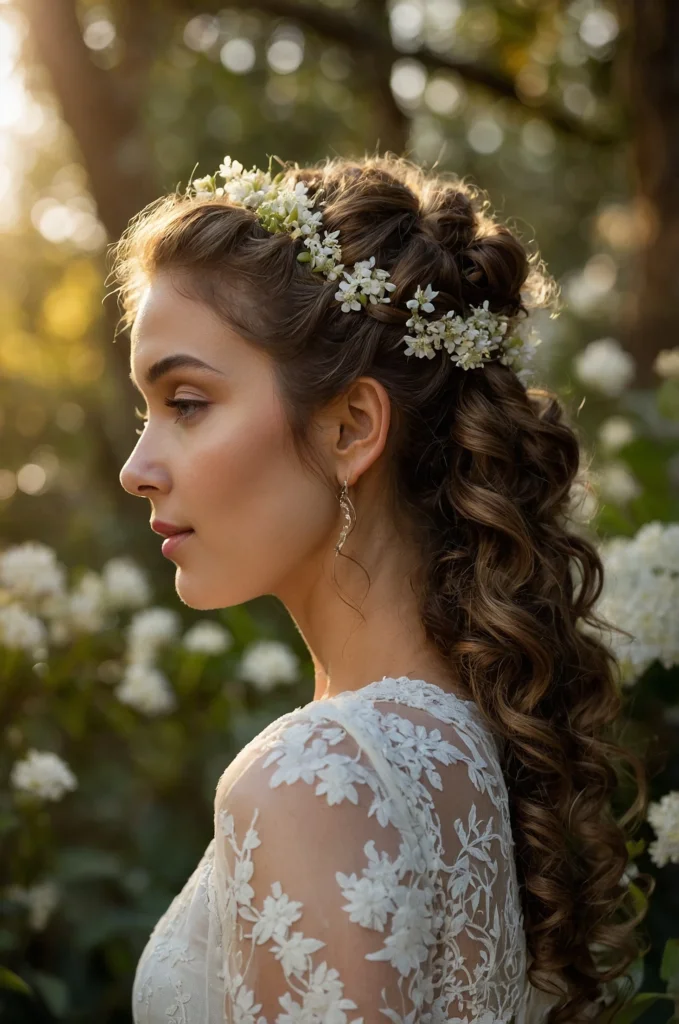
482, 472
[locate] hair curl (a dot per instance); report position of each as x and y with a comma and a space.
482, 470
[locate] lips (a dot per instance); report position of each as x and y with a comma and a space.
168, 529
170, 544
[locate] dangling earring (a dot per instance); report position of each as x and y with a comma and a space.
349, 513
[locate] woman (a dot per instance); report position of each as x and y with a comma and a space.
334, 364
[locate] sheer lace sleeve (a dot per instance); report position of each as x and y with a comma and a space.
343, 896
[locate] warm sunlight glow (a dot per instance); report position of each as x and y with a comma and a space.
14, 98
21, 119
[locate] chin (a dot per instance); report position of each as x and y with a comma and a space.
205, 599
189, 594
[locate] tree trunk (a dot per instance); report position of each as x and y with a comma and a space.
102, 109
652, 82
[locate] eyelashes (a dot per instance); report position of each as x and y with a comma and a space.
186, 409
140, 416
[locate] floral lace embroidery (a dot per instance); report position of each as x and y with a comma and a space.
434, 904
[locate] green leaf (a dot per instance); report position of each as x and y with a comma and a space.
115, 923
636, 1006
79, 863
669, 967
53, 990
8, 821
7, 940
242, 625
640, 900
635, 847
8, 979
668, 399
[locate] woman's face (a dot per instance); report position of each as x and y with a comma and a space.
223, 465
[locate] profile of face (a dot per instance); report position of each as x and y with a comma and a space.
222, 464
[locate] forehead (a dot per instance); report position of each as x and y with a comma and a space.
168, 324
164, 314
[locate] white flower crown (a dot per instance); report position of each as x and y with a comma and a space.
470, 341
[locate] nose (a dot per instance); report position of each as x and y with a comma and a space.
140, 480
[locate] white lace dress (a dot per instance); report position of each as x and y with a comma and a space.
361, 870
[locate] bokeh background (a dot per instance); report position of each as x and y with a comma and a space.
120, 707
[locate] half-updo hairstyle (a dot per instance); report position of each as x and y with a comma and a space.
481, 472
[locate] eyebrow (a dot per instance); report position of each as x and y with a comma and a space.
168, 363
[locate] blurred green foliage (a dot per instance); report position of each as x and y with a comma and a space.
106, 106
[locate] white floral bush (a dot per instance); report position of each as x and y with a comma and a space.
90, 664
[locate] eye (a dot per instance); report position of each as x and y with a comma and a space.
182, 405
186, 408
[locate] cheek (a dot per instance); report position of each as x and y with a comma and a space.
252, 496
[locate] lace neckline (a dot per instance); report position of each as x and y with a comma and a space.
405, 682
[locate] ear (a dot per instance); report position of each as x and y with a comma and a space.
359, 425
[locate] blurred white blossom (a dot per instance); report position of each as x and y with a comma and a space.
207, 637
641, 595
605, 366
31, 571
19, 630
663, 816
148, 630
667, 363
583, 503
40, 899
44, 774
125, 584
146, 689
268, 662
617, 484
630, 872
58, 626
85, 607
615, 432
82, 610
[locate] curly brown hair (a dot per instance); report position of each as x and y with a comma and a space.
481, 470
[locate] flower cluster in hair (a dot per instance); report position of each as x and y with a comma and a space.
280, 206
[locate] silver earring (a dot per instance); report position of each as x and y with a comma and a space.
349, 513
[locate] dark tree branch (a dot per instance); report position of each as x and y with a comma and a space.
392, 122
361, 36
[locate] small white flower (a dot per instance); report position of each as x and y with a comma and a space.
641, 594
148, 630
615, 432
83, 610
666, 363
605, 366
282, 205
663, 816
19, 630
40, 899
630, 872
44, 774
146, 689
583, 504
617, 484
324, 256
207, 637
423, 299
30, 570
86, 610
268, 662
229, 169
125, 584
364, 284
